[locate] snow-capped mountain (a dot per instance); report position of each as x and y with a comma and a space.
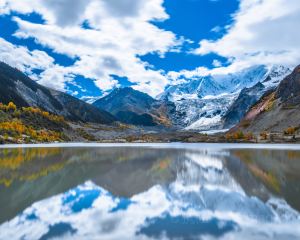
193, 89
276, 75
201, 104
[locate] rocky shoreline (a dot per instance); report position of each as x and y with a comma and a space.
120, 133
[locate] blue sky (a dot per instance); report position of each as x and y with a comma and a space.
194, 20
88, 47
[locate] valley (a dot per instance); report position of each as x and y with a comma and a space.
149, 120
229, 108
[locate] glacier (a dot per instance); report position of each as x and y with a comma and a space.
202, 103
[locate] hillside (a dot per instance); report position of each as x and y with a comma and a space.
30, 125
278, 111
250, 95
137, 108
18, 88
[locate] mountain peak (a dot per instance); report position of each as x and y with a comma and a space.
129, 92
133, 107
124, 89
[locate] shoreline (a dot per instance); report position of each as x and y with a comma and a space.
175, 145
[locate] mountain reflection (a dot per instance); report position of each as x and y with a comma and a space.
277, 170
149, 193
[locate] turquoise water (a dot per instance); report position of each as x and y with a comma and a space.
173, 191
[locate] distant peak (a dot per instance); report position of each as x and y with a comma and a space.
124, 89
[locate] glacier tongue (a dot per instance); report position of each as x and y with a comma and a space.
205, 113
201, 103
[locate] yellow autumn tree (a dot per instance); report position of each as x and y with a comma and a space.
11, 106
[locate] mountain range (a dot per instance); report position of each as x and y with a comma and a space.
255, 99
208, 103
214, 102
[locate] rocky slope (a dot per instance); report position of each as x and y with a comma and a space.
137, 108
277, 111
249, 96
18, 88
213, 102
246, 98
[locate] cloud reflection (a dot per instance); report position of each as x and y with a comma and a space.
204, 202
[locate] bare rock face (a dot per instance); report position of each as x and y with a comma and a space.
289, 89
246, 98
18, 88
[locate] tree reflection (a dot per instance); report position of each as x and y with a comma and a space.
28, 163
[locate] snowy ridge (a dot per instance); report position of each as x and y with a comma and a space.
201, 103
276, 75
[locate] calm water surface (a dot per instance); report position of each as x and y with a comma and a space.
196, 191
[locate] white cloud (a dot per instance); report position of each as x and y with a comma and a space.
216, 29
263, 32
216, 63
56, 77
120, 32
106, 84
22, 58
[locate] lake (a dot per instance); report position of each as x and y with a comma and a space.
150, 191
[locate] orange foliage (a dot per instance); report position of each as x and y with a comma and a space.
44, 114
10, 107
290, 131
17, 129
264, 135
239, 135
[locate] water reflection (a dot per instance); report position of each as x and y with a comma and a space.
278, 171
17, 164
149, 193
